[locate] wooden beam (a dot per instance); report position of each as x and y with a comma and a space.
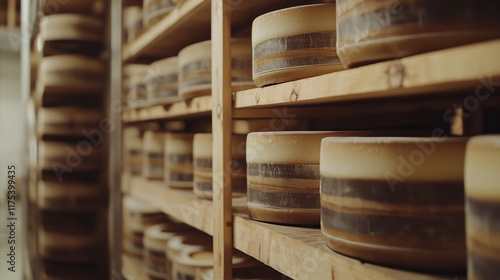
11, 14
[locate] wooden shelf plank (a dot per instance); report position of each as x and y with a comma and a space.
181, 204
199, 106
456, 69
301, 253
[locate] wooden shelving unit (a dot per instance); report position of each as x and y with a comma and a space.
300, 253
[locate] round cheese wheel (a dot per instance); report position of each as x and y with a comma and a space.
68, 121
482, 165
152, 154
161, 83
395, 200
193, 240
155, 10
132, 145
195, 68
132, 22
84, 7
65, 156
71, 74
71, 33
155, 240
137, 95
70, 196
179, 160
283, 176
373, 30
139, 214
202, 154
129, 85
275, 124
294, 43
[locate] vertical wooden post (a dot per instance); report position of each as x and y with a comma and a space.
221, 129
11, 13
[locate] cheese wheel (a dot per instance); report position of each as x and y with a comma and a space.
482, 177
132, 70
152, 155
193, 240
283, 176
66, 156
139, 214
202, 154
294, 43
137, 90
71, 33
84, 7
155, 10
71, 74
374, 30
132, 144
70, 196
395, 200
132, 22
179, 160
161, 83
274, 124
69, 121
195, 68
155, 241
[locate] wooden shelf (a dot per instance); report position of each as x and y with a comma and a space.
132, 268
445, 71
298, 252
190, 22
199, 106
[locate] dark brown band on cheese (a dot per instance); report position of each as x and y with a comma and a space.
59, 47
180, 158
156, 254
208, 187
284, 200
420, 13
425, 228
297, 62
415, 193
203, 162
69, 222
155, 155
156, 7
163, 94
284, 170
78, 75
163, 79
484, 213
316, 40
180, 177
483, 268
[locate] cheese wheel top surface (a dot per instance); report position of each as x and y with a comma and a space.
482, 167
194, 240
203, 50
288, 146
133, 205
71, 27
179, 143
203, 145
61, 63
135, 69
153, 141
69, 116
393, 158
165, 66
156, 237
295, 20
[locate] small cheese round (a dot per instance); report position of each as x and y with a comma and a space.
132, 22
179, 160
155, 10
71, 33
70, 121
132, 149
373, 30
294, 43
161, 83
71, 74
202, 160
153, 154
482, 177
195, 68
395, 200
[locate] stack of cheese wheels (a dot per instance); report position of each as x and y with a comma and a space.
192, 240
152, 154
155, 242
161, 83
75, 156
202, 153
70, 75
137, 90
283, 176
71, 33
132, 144
70, 196
198, 261
195, 68
132, 22
86, 7
179, 160
130, 84
67, 120
155, 10
137, 216
71, 237
51, 270
374, 30
294, 43
395, 200
482, 177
